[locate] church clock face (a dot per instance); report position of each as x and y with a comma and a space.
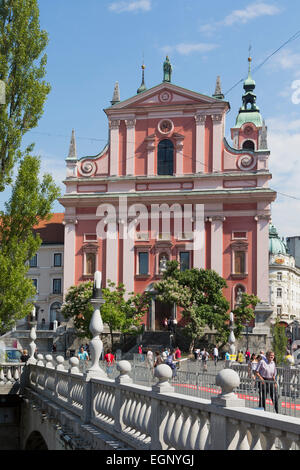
165, 126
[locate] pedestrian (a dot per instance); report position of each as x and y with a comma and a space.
158, 359
174, 325
216, 354
266, 373
54, 348
262, 354
170, 363
87, 348
140, 351
165, 354
247, 356
83, 358
169, 324
204, 358
24, 356
149, 359
165, 323
252, 365
240, 357
110, 360
196, 353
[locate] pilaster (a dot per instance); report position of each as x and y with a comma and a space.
217, 243
114, 125
130, 145
200, 143
217, 141
70, 223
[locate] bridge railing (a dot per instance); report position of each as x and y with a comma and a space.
157, 418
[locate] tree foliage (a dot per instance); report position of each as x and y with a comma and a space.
31, 201
279, 343
119, 313
199, 292
22, 68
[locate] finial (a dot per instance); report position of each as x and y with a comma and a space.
72, 149
143, 86
116, 95
218, 91
167, 67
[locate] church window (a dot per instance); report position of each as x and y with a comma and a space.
143, 262
90, 263
165, 157
184, 260
239, 262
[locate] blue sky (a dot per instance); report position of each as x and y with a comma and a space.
94, 43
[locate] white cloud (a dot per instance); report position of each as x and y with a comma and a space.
284, 143
251, 12
286, 60
130, 6
189, 48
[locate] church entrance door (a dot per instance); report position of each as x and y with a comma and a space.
162, 311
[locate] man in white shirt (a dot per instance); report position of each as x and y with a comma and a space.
216, 355
266, 372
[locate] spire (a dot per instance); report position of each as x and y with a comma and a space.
218, 91
167, 67
116, 95
249, 111
143, 86
72, 149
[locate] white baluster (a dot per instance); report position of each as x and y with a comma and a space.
8, 375
256, 431
32, 345
243, 443
2, 377
203, 432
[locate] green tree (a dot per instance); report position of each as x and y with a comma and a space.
279, 342
199, 293
30, 202
22, 68
118, 313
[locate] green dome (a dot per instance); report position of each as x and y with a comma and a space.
276, 245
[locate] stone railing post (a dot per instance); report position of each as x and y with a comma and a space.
163, 373
124, 367
32, 345
228, 380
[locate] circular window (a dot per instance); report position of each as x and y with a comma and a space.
165, 126
165, 97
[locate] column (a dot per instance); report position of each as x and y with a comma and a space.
200, 143
217, 141
69, 252
114, 147
217, 244
130, 146
262, 277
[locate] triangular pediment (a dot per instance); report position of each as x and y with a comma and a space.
167, 94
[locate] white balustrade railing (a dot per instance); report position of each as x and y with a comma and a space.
157, 418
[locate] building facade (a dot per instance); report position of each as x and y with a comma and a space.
168, 186
293, 246
284, 281
46, 271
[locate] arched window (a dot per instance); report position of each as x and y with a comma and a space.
165, 157
248, 145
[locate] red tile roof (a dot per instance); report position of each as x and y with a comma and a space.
52, 230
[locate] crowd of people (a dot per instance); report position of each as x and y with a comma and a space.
168, 356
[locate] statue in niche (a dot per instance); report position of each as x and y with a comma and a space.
238, 299
163, 264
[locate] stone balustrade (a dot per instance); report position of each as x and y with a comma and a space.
153, 418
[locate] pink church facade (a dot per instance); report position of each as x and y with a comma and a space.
168, 186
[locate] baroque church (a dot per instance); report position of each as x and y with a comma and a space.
169, 186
